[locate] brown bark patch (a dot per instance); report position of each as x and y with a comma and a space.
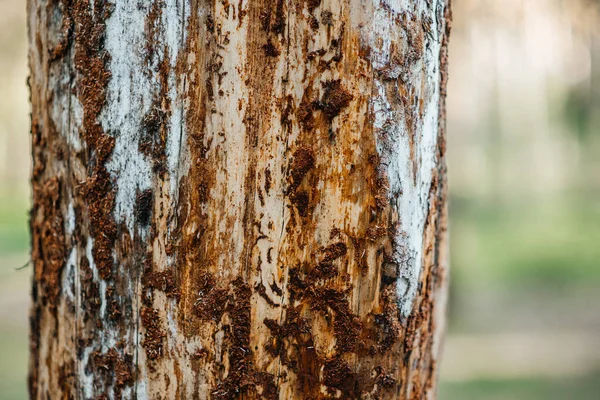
347, 326
338, 374
154, 336
301, 200
115, 366
143, 207
303, 161
335, 99
48, 250
99, 194
91, 292
212, 301
325, 268
271, 49
98, 191
164, 281
242, 377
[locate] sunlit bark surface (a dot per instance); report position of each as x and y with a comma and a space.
237, 199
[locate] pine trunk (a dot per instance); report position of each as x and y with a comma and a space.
239, 199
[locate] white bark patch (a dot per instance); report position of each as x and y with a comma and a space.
86, 381
127, 100
69, 276
397, 6
108, 336
130, 94
409, 174
173, 27
74, 136
70, 219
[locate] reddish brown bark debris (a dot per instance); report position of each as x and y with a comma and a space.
97, 191
263, 265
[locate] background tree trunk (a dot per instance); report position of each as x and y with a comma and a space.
237, 199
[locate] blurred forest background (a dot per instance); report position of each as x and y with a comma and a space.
524, 165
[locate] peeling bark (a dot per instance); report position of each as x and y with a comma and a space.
237, 199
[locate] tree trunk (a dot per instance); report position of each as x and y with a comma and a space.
238, 199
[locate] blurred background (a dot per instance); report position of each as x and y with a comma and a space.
524, 171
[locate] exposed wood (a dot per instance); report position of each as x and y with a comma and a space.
238, 199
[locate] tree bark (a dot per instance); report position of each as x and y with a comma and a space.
239, 199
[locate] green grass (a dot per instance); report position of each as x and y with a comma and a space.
581, 388
544, 243
14, 290
14, 249
14, 231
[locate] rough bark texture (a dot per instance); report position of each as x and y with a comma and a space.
237, 199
